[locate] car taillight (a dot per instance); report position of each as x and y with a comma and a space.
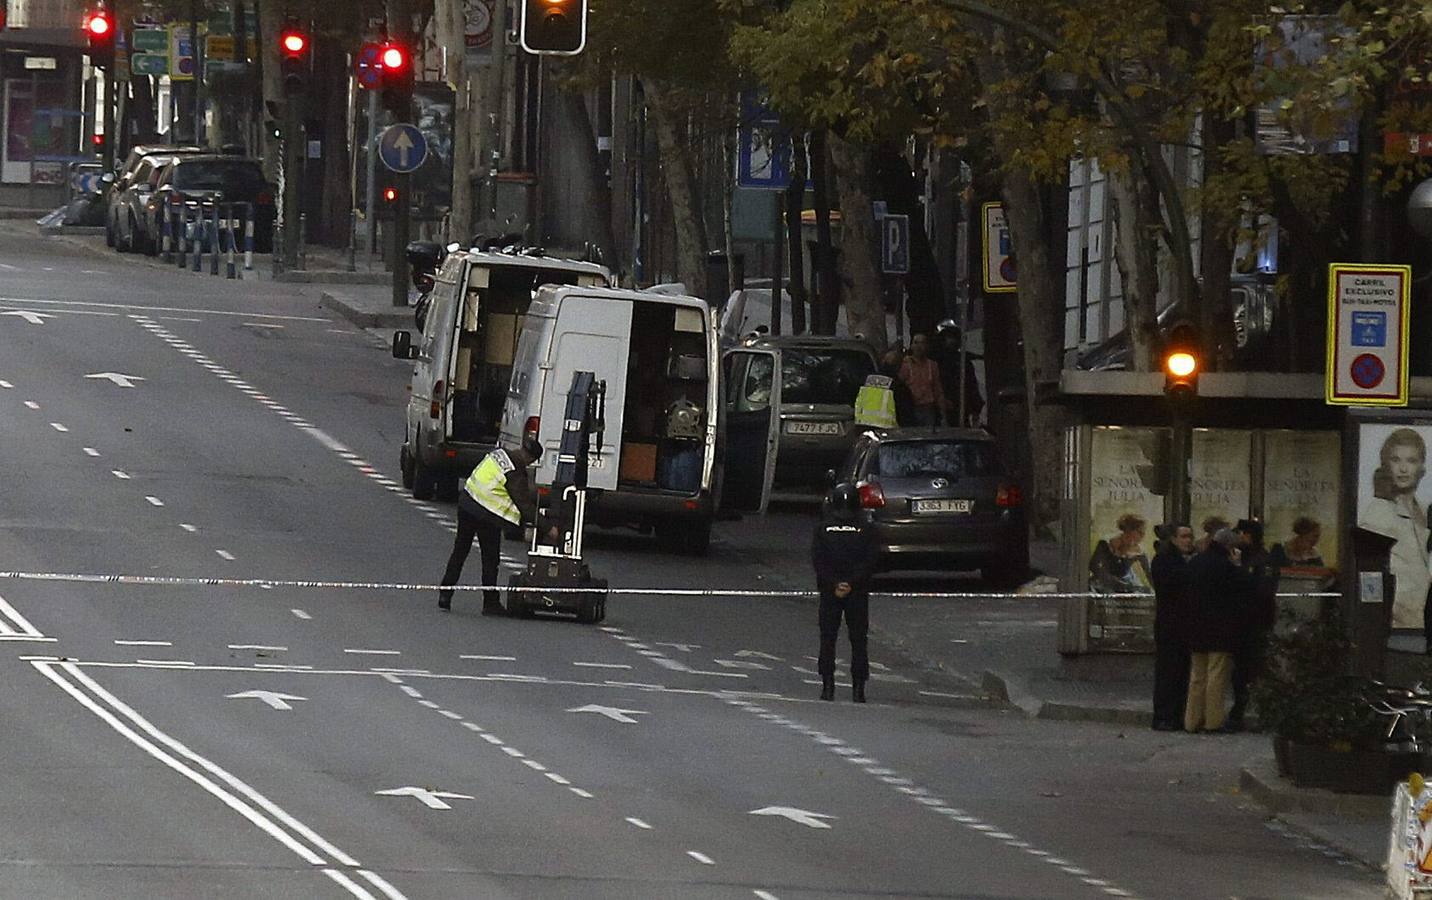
264, 199
534, 425
871, 496
436, 410
1009, 496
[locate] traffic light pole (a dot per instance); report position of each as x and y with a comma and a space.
402, 219
107, 149
292, 159
1180, 459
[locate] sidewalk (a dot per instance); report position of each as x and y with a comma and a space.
367, 306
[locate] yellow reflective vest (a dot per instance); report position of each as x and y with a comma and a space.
488, 486
875, 403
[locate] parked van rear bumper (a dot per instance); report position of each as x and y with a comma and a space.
645, 507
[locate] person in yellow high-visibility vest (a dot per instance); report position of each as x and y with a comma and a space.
875, 403
497, 496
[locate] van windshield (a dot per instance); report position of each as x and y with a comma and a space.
823, 376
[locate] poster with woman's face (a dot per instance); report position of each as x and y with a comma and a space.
1393, 495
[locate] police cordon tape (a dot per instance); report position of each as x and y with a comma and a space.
182, 581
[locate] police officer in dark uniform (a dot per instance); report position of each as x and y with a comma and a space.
845, 558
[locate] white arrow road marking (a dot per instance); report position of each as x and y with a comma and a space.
273, 698
742, 664
684, 648
34, 318
757, 655
611, 712
800, 816
119, 378
430, 799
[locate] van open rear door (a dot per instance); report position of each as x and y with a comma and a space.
591, 335
753, 394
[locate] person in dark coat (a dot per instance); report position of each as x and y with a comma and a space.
845, 557
1172, 608
1259, 617
904, 403
951, 340
1222, 592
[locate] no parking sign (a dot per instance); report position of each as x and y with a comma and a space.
1367, 334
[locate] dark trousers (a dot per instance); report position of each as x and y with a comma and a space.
856, 610
1247, 663
1171, 663
487, 528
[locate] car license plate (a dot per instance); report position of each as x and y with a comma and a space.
942, 506
812, 428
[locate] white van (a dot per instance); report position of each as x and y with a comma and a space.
463, 361
658, 354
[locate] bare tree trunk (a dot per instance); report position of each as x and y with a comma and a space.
451, 19
336, 202
827, 280
1135, 207
795, 206
673, 141
1217, 244
864, 313
597, 189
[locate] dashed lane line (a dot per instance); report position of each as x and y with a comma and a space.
301, 614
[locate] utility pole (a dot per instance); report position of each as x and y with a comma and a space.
195, 43
400, 102
460, 212
495, 107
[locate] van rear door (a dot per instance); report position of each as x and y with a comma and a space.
592, 334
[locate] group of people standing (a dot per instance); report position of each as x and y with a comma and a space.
920, 387
1214, 607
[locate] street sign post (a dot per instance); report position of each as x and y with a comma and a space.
999, 275
1367, 334
895, 244
402, 148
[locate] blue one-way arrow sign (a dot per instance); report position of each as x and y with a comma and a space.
402, 148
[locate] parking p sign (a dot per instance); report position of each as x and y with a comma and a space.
1367, 334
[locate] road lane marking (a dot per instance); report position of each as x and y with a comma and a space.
349, 884
361, 652
534, 765
187, 527
701, 857
230, 796
377, 881
18, 627
765, 895
638, 823
154, 501
167, 662
224, 554
300, 613
32, 404
144, 643
270, 647
90, 451
120, 474
410, 691
585, 795
283, 666
59, 427
488, 658
601, 665
430, 704
553, 776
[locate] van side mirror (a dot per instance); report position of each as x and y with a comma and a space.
403, 345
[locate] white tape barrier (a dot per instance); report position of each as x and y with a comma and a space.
177, 581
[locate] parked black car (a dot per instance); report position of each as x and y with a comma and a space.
939, 498
193, 180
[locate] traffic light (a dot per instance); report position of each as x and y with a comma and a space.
556, 27
293, 48
1182, 360
396, 63
99, 32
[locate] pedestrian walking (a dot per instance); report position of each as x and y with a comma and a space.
1221, 590
921, 375
1259, 617
496, 497
1172, 610
845, 557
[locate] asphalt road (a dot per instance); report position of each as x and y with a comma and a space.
196, 740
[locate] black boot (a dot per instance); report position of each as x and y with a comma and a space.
857, 691
827, 689
444, 599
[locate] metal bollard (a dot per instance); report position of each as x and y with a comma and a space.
302, 241
166, 231
198, 248
182, 236
214, 242
353, 241
248, 237
276, 258
230, 269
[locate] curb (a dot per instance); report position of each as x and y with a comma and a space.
1260, 781
86, 230
363, 318
322, 276
1008, 690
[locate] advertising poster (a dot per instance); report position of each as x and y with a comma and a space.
1125, 503
1220, 483
1302, 482
1393, 494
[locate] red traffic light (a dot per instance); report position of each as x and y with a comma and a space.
393, 57
98, 25
293, 42
390, 194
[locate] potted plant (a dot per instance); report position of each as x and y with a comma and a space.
1325, 733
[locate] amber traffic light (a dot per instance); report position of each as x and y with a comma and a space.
1182, 360
557, 27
